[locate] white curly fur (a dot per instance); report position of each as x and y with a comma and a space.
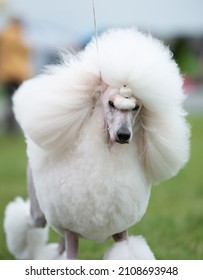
134, 248
82, 185
24, 241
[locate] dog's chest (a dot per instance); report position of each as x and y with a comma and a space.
93, 193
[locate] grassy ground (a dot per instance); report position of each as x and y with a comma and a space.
172, 225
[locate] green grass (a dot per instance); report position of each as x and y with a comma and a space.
172, 225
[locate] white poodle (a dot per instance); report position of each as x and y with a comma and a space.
75, 117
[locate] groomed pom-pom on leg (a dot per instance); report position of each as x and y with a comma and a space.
132, 248
25, 241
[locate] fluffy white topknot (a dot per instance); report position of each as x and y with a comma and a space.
138, 61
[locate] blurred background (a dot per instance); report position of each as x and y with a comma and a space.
31, 34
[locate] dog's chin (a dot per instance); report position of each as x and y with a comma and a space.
111, 142
122, 142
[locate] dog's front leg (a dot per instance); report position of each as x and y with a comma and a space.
61, 246
120, 236
71, 245
37, 216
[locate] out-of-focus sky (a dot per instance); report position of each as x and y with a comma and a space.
73, 19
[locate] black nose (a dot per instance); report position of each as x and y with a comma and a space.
123, 135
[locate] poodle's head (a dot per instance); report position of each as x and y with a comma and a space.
140, 93
120, 112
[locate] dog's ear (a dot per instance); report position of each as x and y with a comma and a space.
163, 142
52, 108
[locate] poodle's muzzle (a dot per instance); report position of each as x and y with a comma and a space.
123, 135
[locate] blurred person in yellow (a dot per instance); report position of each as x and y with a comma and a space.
15, 62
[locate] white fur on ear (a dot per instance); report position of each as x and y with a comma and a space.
52, 107
163, 141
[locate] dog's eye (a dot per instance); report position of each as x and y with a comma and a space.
136, 108
111, 104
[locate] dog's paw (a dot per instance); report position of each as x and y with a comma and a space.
134, 248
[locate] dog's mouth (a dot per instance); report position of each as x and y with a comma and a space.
122, 141
122, 137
